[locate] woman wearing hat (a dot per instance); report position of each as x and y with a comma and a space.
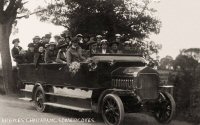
65, 38
51, 53
74, 53
98, 40
127, 47
104, 47
62, 55
17, 52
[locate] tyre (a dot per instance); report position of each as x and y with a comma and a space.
112, 110
39, 99
165, 108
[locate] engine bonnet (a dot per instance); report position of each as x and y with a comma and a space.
132, 71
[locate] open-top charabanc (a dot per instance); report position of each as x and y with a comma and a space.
116, 83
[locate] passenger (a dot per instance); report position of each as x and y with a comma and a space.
93, 47
50, 53
62, 54
65, 38
104, 47
127, 47
84, 44
29, 56
46, 40
74, 53
17, 52
36, 42
115, 48
98, 39
118, 38
57, 39
39, 55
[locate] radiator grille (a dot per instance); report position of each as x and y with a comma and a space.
124, 83
149, 86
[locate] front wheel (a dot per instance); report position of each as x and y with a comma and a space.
165, 109
112, 110
39, 99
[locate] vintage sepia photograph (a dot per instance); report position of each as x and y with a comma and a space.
99, 62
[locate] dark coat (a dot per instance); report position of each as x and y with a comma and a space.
29, 57
74, 55
61, 57
15, 54
50, 56
38, 58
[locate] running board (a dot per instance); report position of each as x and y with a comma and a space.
67, 96
80, 109
26, 99
25, 90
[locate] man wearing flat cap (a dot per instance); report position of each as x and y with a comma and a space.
46, 40
17, 53
29, 56
50, 53
74, 53
36, 42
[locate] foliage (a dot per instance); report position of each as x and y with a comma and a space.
166, 62
132, 18
186, 86
185, 63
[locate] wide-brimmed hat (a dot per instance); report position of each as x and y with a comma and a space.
31, 45
15, 40
79, 35
99, 36
127, 42
104, 41
36, 37
117, 35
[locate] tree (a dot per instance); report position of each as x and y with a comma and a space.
9, 9
132, 18
166, 62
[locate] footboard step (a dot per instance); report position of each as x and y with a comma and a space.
26, 99
25, 90
69, 96
80, 109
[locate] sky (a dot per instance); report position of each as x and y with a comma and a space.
180, 26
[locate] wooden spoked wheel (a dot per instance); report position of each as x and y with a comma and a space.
112, 110
39, 99
166, 108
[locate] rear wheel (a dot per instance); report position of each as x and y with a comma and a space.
39, 99
166, 108
112, 110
